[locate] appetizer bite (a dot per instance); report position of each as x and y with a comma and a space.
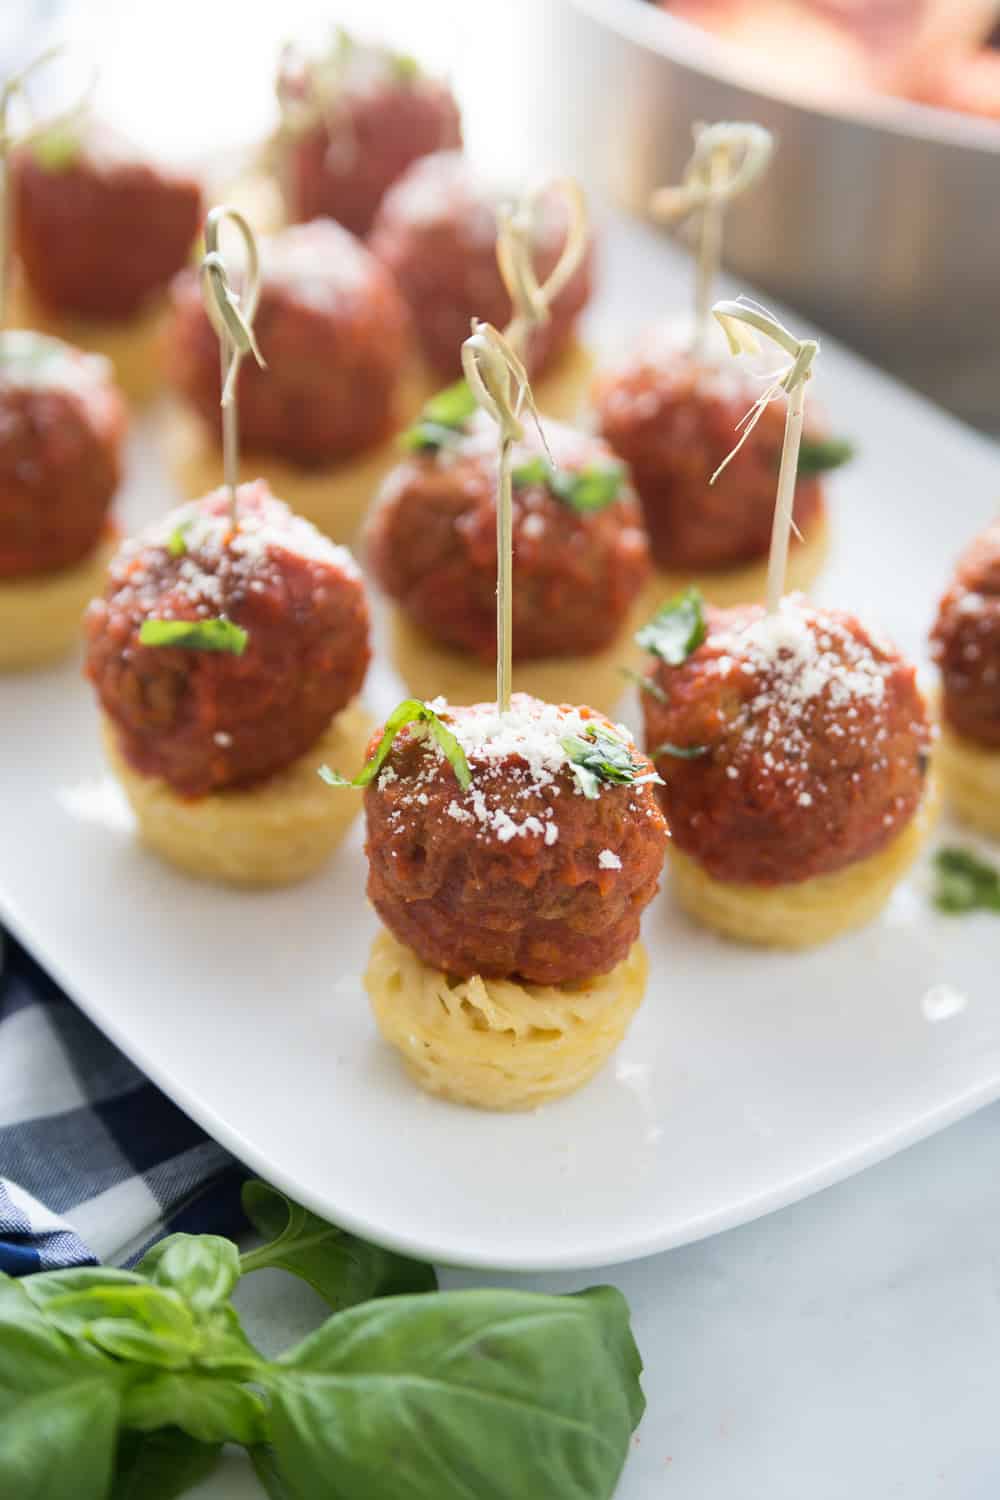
333, 332
226, 652
437, 233
512, 848
62, 424
793, 741
99, 230
353, 118
670, 411
965, 643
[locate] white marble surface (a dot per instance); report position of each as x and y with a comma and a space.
847, 1348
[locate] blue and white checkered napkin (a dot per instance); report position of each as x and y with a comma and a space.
95, 1163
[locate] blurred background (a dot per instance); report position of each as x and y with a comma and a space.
880, 218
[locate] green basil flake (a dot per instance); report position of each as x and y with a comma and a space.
583, 490
411, 711
405, 68
442, 419
195, 635
598, 755
676, 630
816, 455
56, 150
177, 542
965, 882
679, 752
429, 437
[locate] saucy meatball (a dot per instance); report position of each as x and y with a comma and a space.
203, 719
437, 233
333, 331
674, 418
521, 875
965, 642
354, 119
62, 422
790, 744
98, 229
431, 544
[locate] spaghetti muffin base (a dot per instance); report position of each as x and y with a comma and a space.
275, 833
496, 1043
970, 780
40, 615
134, 348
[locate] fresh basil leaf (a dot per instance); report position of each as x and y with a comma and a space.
265, 1466
442, 419
57, 150
676, 630
501, 1395
679, 752
817, 455
405, 68
224, 1347
598, 755
203, 1268
645, 684
965, 883
177, 541
344, 1270
209, 1408
148, 1324
195, 635
35, 1356
588, 489
411, 711
161, 1465
59, 1444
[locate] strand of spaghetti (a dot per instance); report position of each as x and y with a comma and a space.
741, 321
499, 382
231, 314
532, 300
727, 158
16, 88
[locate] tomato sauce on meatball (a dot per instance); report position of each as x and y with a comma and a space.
354, 119
431, 544
674, 418
62, 423
808, 741
437, 232
965, 642
204, 720
99, 230
333, 330
522, 875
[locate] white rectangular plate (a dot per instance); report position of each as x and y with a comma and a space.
748, 1080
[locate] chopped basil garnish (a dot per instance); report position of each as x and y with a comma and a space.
965, 882
195, 635
679, 752
816, 455
411, 711
591, 488
676, 630
176, 543
442, 419
405, 68
56, 150
598, 755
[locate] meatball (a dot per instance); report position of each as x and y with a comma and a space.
203, 720
965, 642
353, 121
521, 875
62, 423
333, 331
674, 419
98, 230
806, 739
437, 231
432, 546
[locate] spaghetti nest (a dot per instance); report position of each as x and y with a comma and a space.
803, 913
272, 833
496, 1043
